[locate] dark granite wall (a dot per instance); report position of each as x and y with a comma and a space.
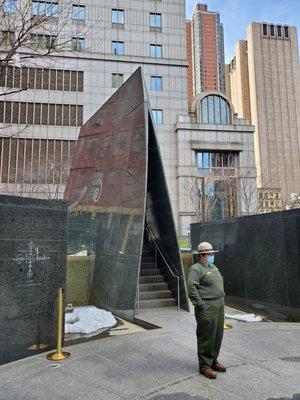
32, 268
260, 261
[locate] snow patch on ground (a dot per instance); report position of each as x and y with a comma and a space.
88, 319
244, 317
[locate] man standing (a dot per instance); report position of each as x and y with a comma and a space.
206, 292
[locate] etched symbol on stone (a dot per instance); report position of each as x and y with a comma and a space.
30, 257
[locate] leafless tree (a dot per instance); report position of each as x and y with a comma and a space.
48, 182
29, 34
206, 194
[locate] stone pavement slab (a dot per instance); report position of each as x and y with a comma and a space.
161, 364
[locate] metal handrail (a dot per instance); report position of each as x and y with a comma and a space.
167, 264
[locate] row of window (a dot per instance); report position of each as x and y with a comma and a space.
45, 8
118, 48
35, 160
275, 31
155, 82
215, 160
51, 9
118, 18
41, 41
13, 112
42, 78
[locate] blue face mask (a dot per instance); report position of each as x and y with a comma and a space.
210, 260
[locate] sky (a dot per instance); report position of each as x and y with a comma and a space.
236, 15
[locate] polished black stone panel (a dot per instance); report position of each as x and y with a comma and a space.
259, 259
32, 268
117, 159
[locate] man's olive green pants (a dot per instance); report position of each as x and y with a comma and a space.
210, 328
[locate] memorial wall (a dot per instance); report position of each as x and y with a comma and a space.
260, 261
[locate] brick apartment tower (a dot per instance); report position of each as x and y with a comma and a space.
205, 51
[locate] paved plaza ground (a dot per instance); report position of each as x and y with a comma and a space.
161, 364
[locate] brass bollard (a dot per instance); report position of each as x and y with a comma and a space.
59, 355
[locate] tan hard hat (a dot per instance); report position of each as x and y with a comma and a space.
205, 247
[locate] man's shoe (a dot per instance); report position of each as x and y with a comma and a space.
209, 373
219, 367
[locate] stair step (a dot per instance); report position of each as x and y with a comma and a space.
156, 294
153, 303
149, 272
151, 279
147, 265
147, 259
149, 287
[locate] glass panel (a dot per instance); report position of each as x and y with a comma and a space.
158, 51
158, 21
286, 31
204, 111
80, 81
217, 100
279, 31
8, 107
79, 12
223, 112
10, 6
59, 80
152, 50
52, 10
66, 117
206, 160
117, 16
152, 19
23, 113
45, 114
46, 74
15, 113
211, 111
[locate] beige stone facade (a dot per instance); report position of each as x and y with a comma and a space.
267, 65
216, 174
142, 25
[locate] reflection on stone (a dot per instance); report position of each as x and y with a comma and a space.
259, 258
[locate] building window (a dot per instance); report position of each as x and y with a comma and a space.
117, 16
45, 8
272, 30
216, 160
265, 29
78, 12
42, 41
155, 22
286, 32
7, 38
279, 31
117, 47
214, 110
157, 116
156, 83
10, 6
78, 44
117, 80
155, 51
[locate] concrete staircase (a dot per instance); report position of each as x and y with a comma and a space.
154, 291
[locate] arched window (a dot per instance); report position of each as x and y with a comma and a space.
214, 110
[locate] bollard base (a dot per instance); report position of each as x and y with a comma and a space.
227, 327
58, 356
